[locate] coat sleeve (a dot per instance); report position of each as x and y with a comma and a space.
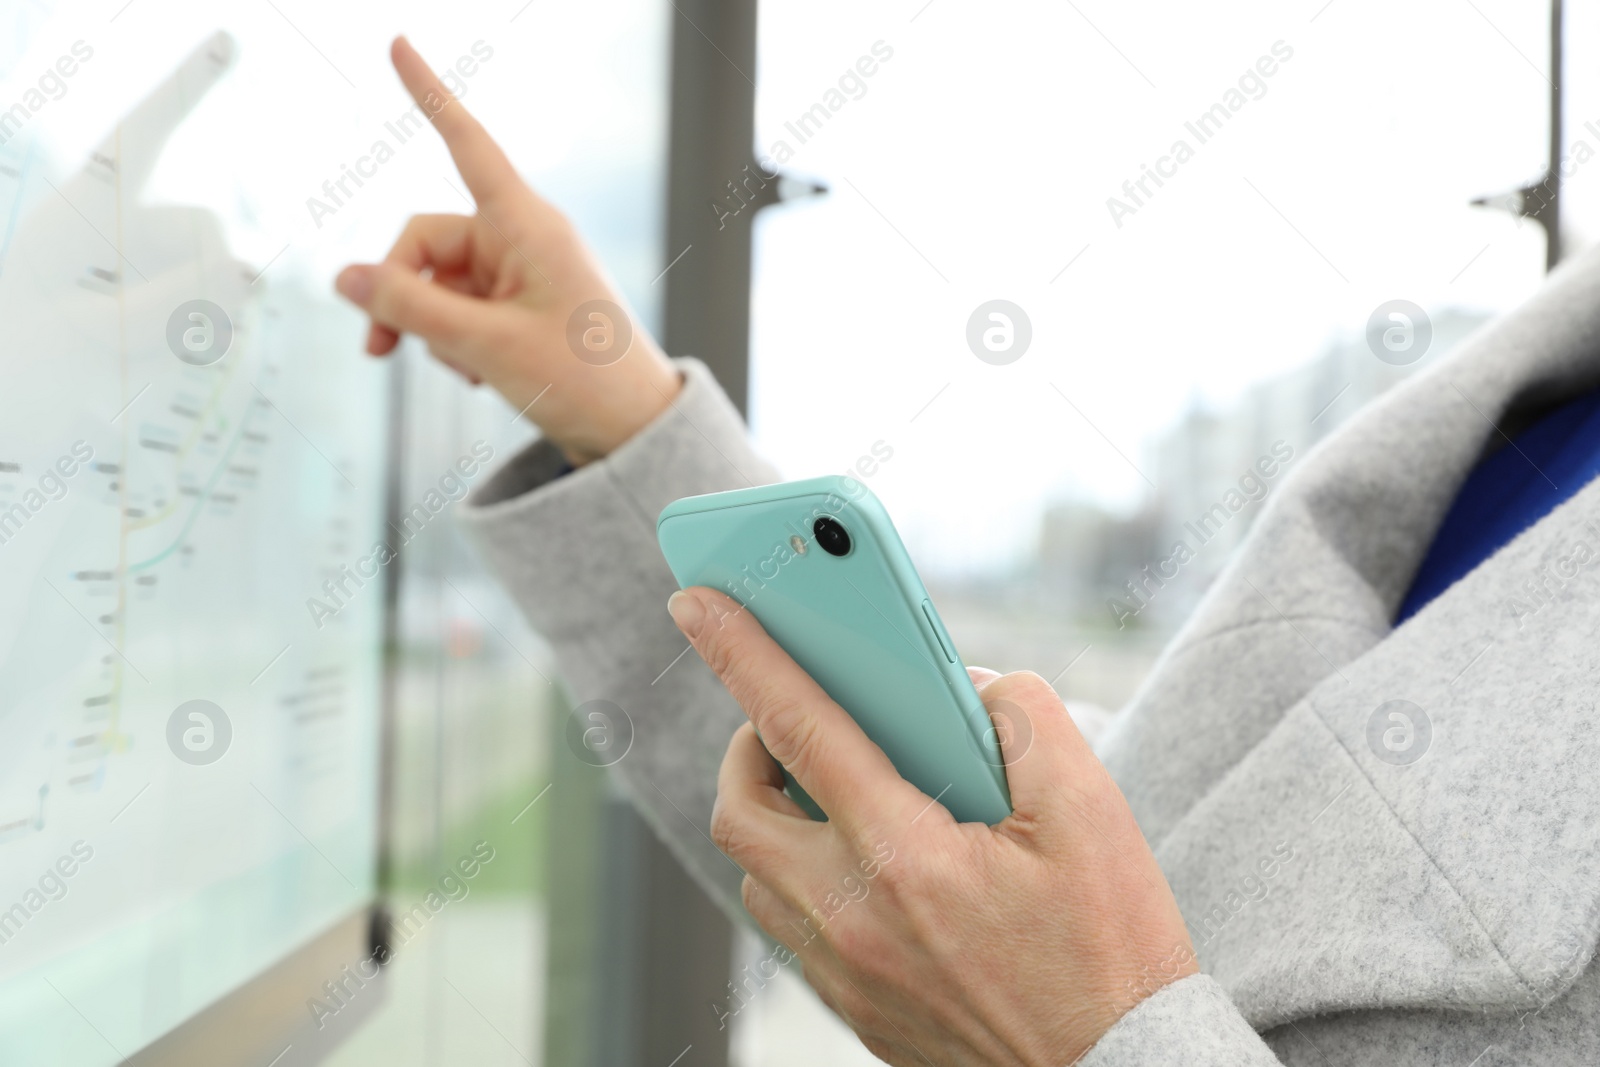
1191, 1022
578, 553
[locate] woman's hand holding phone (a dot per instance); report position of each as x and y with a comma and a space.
493, 293
937, 941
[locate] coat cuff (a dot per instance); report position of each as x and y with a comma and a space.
1191, 1022
572, 542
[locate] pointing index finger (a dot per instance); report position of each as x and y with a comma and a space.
482, 164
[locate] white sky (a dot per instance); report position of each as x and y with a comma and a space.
991, 141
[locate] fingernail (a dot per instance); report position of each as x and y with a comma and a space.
687, 612
355, 285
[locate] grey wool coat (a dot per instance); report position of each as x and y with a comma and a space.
1349, 902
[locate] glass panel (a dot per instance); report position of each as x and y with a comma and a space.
221, 533
189, 785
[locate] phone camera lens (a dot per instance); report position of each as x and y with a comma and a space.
832, 536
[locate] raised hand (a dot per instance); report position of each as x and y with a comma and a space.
510, 296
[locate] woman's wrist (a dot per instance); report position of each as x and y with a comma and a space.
611, 409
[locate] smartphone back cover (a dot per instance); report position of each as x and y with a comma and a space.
860, 624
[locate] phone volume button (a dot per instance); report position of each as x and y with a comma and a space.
937, 630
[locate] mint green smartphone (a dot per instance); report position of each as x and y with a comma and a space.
820, 566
